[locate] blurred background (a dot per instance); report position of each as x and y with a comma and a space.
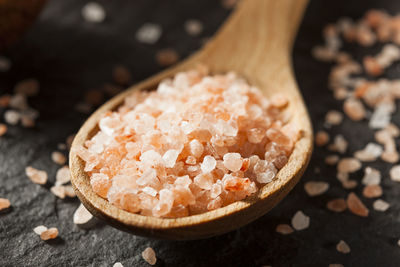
81, 53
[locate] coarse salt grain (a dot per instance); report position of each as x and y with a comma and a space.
355, 205
370, 153
12, 117
321, 138
4, 203
35, 175
337, 205
167, 57
348, 165
380, 205
371, 176
332, 160
3, 129
300, 221
50, 233
372, 191
118, 264
284, 229
395, 173
149, 256
193, 27
334, 117
343, 247
82, 215
63, 175
69, 191
58, 191
39, 229
93, 12
339, 144
58, 158
149, 33
314, 188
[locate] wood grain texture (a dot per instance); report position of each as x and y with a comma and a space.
256, 42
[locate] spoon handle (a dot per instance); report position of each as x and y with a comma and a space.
258, 33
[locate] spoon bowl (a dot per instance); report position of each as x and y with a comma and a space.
256, 43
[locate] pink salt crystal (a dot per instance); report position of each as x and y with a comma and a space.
334, 117
339, 144
5, 101
4, 203
118, 264
321, 138
314, 188
332, 160
196, 148
215, 203
233, 161
372, 191
395, 173
349, 184
35, 175
167, 57
208, 164
121, 75
354, 109
48, 234
151, 158
149, 256
348, 165
3, 129
190, 160
216, 190
39, 229
371, 176
284, 229
193, 27
255, 135
58, 191
63, 175
372, 67
81, 215
58, 158
170, 157
337, 205
265, 171
69, 191
204, 181
356, 206
342, 247
300, 221
29, 87
165, 203
370, 153
100, 184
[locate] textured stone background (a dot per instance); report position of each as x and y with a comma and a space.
68, 56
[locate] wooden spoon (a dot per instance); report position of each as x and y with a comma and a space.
256, 42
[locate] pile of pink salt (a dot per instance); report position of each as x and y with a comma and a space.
197, 143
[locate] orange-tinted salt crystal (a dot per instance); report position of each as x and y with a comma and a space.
354, 109
5, 101
35, 175
356, 206
167, 57
50, 233
337, 205
4, 203
100, 184
321, 138
149, 256
372, 191
3, 129
372, 67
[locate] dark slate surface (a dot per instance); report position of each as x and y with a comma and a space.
69, 56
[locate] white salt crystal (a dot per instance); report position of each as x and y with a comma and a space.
151, 157
118, 264
395, 173
150, 191
149, 33
103, 125
371, 176
63, 175
300, 221
370, 153
82, 215
342, 247
265, 177
233, 161
5, 64
193, 27
147, 176
170, 158
208, 164
380, 117
12, 117
93, 12
380, 205
39, 229
314, 188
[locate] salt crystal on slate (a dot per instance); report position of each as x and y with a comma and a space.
36, 176
58, 157
395, 173
398, 242
12, 117
380, 205
354, 109
356, 206
229, 4
372, 191
332, 160
5, 101
39, 229
300, 221
339, 144
321, 138
3, 129
371, 176
314, 188
4, 203
93, 12
61, 146
82, 215
342, 247
193, 27
58, 191
118, 264
370, 153
167, 57
149, 33
5, 64
63, 175
69, 191
337, 205
348, 165
149, 256
50, 233
381, 117
284, 229
334, 117
18, 101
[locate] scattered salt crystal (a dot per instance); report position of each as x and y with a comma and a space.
334, 117
29, 87
381, 117
5, 101
332, 160
321, 138
61, 146
370, 153
380, 205
39, 229
339, 144
208, 164
18, 101
35, 175
93, 12
284, 229
349, 184
314, 188
395, 173
4, 203
167, 57
300, 221
58, 191
48, 234
149, 256
118, 264
58, 158
81, 215
121, 75
150, 191
354, 109
348, 165
371, 176
12, 117
3, 129
63, 175
372, 191
149, 33
69, 191
342, 247
337, 205
355, 205
193, 27
5, 64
